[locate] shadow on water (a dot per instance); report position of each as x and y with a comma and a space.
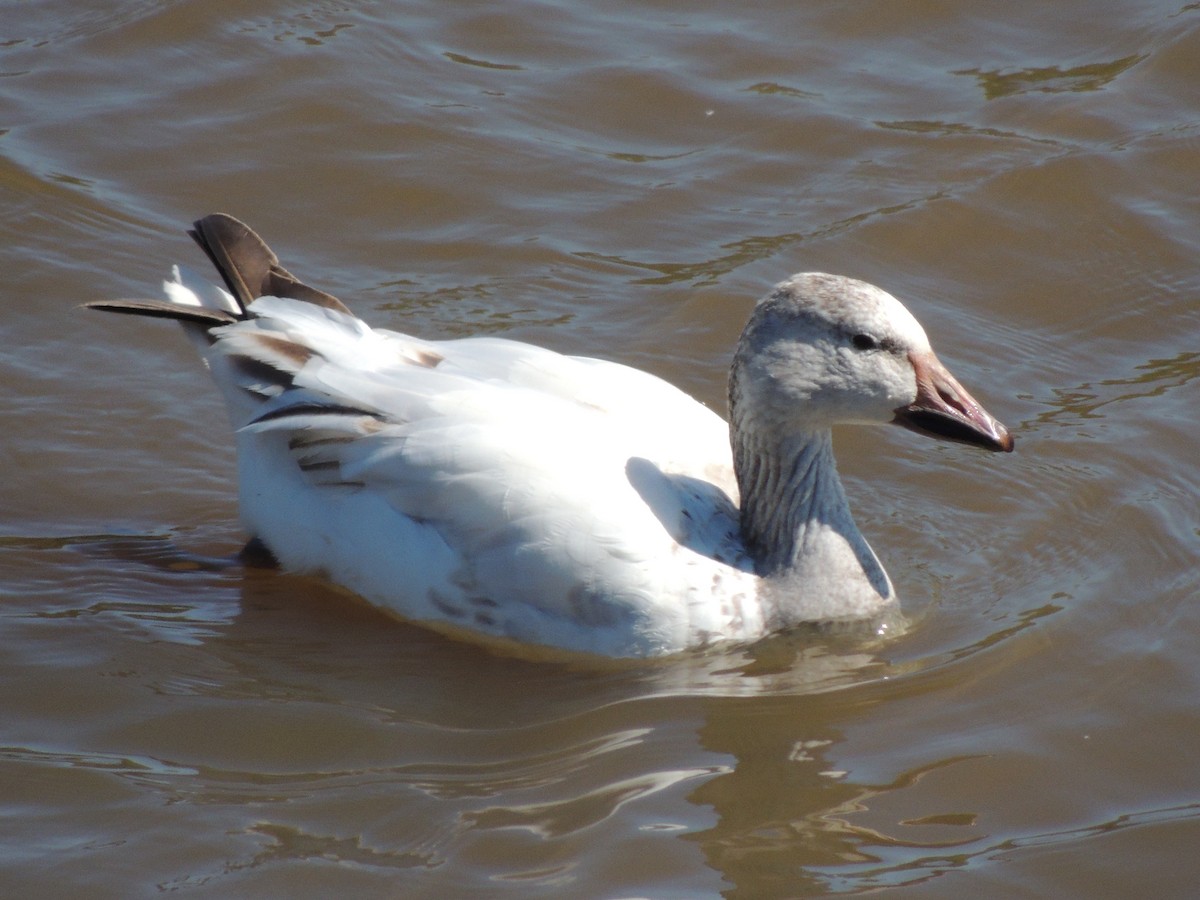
506, 762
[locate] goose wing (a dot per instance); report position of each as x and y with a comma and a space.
482, 482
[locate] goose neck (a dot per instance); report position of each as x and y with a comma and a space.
796, 524
786, 487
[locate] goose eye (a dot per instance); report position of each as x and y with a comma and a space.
864, 342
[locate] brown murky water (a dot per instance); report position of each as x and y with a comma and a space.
617, 179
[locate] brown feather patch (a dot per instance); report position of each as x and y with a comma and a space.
289, 350
426, 358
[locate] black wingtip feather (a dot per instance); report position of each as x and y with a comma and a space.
162, 309
249, 268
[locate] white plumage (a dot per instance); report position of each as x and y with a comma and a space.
492, 487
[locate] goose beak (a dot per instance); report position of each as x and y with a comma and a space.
944, 409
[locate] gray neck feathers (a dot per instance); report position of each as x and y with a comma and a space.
783, 489
795, 520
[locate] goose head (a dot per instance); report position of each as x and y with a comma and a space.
821, 350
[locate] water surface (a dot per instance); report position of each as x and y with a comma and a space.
622, 180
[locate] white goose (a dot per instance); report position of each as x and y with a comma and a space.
496, 488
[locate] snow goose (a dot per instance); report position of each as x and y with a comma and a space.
490, 487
